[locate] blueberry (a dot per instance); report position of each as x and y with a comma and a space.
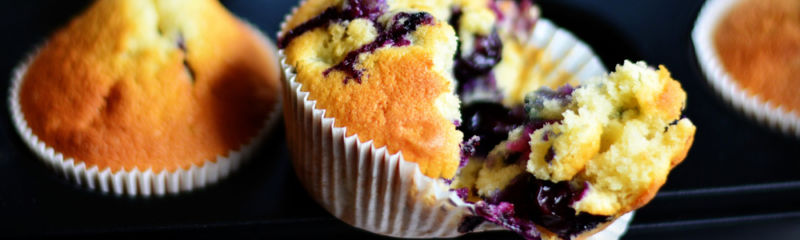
468, 149
548, 157
547, 204
489, 121
534, 101
487, 53
369, 9
326, 17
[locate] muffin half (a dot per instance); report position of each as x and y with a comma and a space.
165, 94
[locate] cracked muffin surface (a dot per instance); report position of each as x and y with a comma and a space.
150, 84
395, 60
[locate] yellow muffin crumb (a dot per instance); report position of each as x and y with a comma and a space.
621, 133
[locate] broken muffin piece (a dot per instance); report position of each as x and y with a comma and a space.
583, 156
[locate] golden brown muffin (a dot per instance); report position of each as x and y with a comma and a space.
394, 103
758, 42
150, 84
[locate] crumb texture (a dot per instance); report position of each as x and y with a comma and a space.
621, 134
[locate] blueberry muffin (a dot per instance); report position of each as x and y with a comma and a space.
159, 85
444, 84
580, 157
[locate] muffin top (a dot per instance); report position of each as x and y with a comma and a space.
758, 42
150, 84
383, 71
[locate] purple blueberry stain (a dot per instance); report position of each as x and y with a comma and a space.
521, 149
487, 52
473, 71
577, 197
483, 88
534, 101
547, 204
546, 136
369, 9
462, 193
548, 157
492, 122
489, 121
496, 9
394, 35
180, 42
326, 17
503, 214
468, 149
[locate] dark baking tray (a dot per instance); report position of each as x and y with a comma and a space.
739, 180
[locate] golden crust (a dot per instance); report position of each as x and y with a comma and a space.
759, 44
111, 88
650, 192
395, 105
669, 105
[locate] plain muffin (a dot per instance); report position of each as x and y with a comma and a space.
158, 85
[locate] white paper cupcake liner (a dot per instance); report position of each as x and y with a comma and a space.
374, 190
566, 52
753, 106
138, 182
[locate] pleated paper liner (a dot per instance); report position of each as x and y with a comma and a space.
765, 112
372, 189
139, 182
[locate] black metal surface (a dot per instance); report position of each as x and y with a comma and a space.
739, 181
